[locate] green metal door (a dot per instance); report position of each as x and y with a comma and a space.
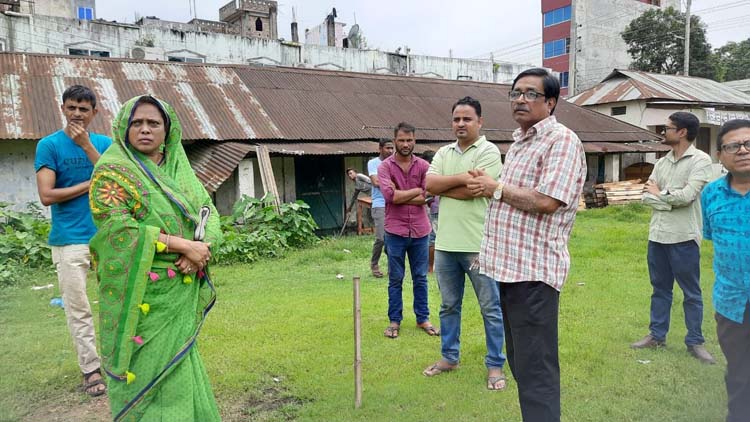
320, 182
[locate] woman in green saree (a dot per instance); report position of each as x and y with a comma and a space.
156, 228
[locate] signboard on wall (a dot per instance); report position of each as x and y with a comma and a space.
718, 117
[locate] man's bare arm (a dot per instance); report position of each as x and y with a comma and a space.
418, 200
459, 192
529, 200
405, 196
48, 194
374, 180
522, 198
437, 184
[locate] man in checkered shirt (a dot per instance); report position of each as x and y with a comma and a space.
526, 232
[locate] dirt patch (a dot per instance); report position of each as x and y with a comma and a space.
272, 403
71, 407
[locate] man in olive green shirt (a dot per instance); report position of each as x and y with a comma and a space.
673, 191
459, 237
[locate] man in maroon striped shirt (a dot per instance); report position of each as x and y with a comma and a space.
402, 178
526, 232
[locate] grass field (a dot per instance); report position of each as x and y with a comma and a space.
279, 343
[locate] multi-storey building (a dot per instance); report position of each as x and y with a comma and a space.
582, 41
75, 9
252, 18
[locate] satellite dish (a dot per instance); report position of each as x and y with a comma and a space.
354, 37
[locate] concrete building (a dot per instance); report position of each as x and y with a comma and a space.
331, 32
252, 18
581, 38
240, 122
217, 42
72, 9
647, 99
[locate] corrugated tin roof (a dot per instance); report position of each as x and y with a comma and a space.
740, 85
371, 147
291, 110
627, 85
239, 102
622, 147
214, 162
323, 148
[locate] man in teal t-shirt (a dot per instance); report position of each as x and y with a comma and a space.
64, 162
459, 239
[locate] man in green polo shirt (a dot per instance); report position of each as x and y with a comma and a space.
461, 224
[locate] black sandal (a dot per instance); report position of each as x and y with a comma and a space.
87, 385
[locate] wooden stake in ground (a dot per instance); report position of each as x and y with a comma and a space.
357, 346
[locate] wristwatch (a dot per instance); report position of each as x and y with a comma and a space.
497, 195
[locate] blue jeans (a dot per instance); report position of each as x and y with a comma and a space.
418, 251
451, 269
667, 262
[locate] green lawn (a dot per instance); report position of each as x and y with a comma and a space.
279, 343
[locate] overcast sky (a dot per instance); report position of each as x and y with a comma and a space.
468, 28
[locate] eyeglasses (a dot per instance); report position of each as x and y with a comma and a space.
666, 128
734, 147
529, 95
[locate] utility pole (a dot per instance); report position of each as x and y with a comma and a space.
687, 39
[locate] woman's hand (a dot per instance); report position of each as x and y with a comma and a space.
197, 252
186, 266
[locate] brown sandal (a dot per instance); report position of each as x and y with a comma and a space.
437, 369
493, 381
391, 331
429, 329
88, 384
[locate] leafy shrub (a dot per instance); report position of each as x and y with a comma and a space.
256, 230
23, 242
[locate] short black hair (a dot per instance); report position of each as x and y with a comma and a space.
550, 83
471, 102
383, 141
404, 127
147, 99
685, 120
729, 126
79, 93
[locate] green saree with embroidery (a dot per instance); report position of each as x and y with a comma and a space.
150, 313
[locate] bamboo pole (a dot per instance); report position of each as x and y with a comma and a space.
357, 346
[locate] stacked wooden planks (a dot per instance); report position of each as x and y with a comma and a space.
619, 193
581, 204
595, 197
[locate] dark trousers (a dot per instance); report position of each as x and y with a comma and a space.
734, 340
667, 263
398, 248
530, 312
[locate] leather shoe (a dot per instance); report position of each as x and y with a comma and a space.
376, 271
648, 342
699, 352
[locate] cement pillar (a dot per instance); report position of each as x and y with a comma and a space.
612, 168
245, 179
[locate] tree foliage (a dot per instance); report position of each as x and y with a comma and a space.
656, 42
733, 61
